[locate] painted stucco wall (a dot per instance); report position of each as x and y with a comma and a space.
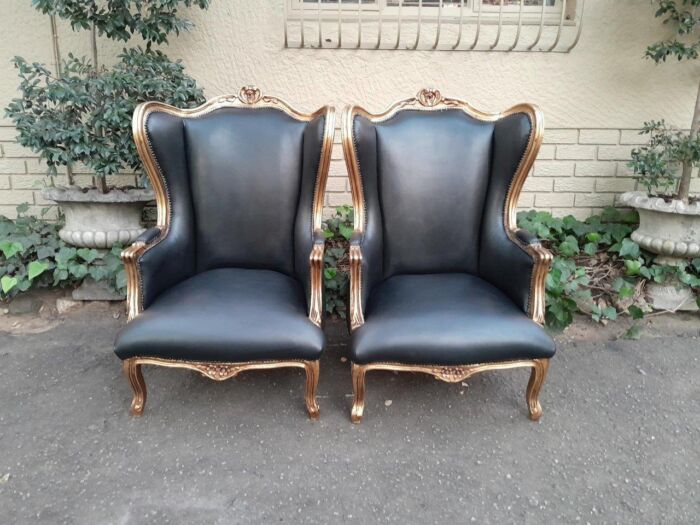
592, 97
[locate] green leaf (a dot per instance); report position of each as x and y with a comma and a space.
634, 332
88, 255
64, 255
9, 248
44, 252
8, 283
636, 312
610, 312
569, 247
590, 248
36, 268
625, 292
633, 267
120, 279
346, 231
629, 248
77, 270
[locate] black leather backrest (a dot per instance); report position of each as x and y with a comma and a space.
166, 139
245, 168
365, 144
512, 274
433, 170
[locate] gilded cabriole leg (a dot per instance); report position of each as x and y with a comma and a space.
312, 372
358, 389
537, 377
218, 372
453, 374
132, 369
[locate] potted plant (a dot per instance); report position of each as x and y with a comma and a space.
80, 113
669, 217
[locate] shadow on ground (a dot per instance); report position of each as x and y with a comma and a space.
618, 441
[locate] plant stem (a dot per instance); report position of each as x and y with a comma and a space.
99, 180
684, 184
93, 40
56, 48
59, 74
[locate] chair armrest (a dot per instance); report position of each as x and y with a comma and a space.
150, 235
542, 262
159, 258
316, 271
526, 237
130, 257
356, 317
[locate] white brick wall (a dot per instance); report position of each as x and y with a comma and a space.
578, 171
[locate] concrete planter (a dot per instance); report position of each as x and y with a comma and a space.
100, 220
672, 231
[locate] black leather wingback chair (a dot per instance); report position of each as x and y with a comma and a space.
230, 279
441, 281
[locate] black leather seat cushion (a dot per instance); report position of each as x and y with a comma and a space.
445, 319
228, 314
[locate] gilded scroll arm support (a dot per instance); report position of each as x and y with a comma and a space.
130, 257
542, 259
316, 270
356, 317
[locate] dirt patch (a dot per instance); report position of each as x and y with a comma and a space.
26, 324
49, 316
659, 324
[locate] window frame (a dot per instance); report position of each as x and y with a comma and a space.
510, 12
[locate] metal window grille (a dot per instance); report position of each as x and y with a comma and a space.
440, 25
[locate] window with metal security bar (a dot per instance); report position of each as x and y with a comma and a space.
456, 25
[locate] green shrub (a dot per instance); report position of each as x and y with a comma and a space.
337, 230
85, 116
658, 164
598, 269
122, 20
33, 256
81, 112
667, 162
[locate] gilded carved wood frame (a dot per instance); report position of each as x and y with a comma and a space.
432, 100
249, 98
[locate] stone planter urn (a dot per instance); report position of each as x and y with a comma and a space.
670, 229
100, 220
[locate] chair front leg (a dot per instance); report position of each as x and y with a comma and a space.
453, 374
312, 372
132, 369
219, 372
534, 386
358, 389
